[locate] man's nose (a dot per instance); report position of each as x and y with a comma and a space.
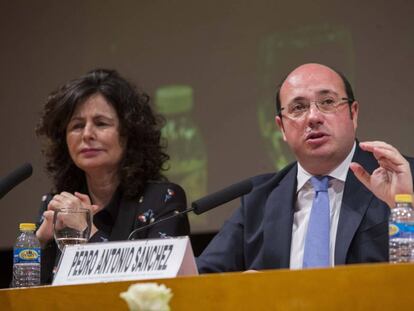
314, 114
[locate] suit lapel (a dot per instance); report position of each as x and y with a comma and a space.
125, 221
355, 201
277, 232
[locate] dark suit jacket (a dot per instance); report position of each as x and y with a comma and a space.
258, 235
159, 200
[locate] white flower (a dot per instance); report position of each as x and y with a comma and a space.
147, 297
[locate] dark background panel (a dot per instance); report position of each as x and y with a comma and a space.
232, 54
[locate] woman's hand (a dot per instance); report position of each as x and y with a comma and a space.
393, 176
62, 201
45, 232
86, 201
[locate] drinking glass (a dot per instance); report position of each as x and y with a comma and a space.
71, 226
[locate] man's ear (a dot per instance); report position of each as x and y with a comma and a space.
279, 123
354, 109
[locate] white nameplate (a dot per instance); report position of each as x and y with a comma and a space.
128, 260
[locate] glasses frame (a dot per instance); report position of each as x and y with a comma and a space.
343, 100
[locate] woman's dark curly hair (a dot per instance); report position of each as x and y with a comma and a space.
144, 155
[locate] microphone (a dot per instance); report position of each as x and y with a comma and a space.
223, 196
14, 178
204, 204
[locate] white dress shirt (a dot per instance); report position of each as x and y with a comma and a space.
303, 206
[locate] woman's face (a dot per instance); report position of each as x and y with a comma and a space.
92, 136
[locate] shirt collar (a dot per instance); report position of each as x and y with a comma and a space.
339, 172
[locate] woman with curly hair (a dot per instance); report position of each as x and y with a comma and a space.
103, 151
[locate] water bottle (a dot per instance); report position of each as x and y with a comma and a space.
401, 229
26, 257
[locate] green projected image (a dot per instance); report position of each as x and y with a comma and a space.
188, 158
279, 53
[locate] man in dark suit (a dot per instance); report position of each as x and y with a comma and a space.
329, 207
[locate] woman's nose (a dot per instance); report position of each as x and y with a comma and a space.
89, 131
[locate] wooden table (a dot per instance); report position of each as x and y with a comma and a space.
357, 287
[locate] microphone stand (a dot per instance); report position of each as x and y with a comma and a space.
205, 204
175, 214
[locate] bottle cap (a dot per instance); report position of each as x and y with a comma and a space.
403, 198
27, 227
173, 99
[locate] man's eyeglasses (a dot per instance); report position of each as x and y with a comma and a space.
299, 108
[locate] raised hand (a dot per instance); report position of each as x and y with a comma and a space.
393, 176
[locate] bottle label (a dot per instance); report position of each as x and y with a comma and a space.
401, 230
26, 255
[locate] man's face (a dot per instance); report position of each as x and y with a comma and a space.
320, 141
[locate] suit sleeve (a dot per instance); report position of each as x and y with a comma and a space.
225, 252
172, 198
98, 237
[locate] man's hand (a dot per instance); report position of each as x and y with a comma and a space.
393, 176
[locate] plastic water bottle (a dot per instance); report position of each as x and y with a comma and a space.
26, 257
401, 229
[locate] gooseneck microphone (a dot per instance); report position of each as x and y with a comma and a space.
220, 197
204, 204
14, 178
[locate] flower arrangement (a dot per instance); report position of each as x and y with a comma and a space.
147, 297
